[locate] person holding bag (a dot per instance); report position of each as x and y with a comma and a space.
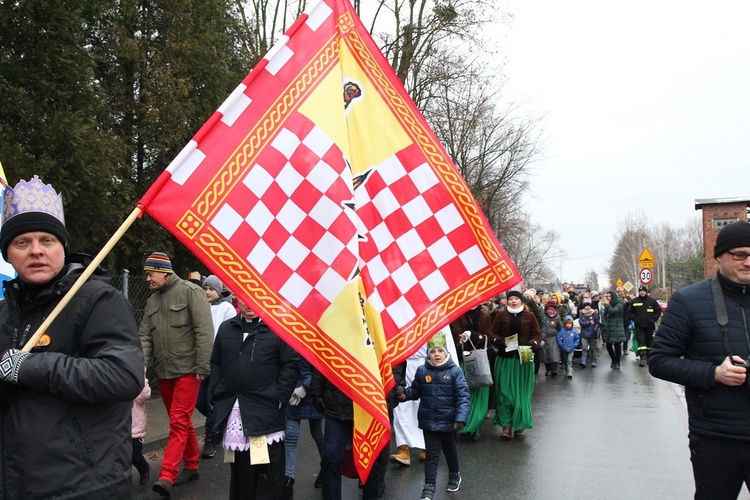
474, 326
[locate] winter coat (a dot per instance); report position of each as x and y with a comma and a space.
65, 427
177, 331
138, 414
589, 325
529, 333
614, 330
329, 399
220, 312
443, 395
568, 339
260, 372
644, 312
479, 323
689, 345
550, 327
305, 409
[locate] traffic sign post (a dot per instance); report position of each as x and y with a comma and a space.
646, 276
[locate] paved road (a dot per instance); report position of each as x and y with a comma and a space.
602, 435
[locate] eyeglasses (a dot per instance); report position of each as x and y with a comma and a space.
738, 256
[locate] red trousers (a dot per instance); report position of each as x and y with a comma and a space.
179, 396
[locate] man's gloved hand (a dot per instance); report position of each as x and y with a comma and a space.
298, 395
319, 404
10, 364
459, 426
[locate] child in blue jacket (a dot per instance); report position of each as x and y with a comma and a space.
567, 339
443, 396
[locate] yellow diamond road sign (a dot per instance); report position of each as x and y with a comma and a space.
646, 259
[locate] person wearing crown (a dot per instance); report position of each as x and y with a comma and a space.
65, 405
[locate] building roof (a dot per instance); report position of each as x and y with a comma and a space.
720, 201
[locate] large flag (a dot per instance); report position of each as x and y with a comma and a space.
320, 196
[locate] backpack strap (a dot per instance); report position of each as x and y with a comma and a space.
721, 311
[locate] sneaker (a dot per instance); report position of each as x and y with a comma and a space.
145, 476
569, 376
593, 364
454, 481
209, 449
428, 492
186, 476
163, 488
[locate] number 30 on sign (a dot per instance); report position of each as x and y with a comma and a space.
646, 276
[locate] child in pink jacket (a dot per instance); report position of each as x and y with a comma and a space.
138, 415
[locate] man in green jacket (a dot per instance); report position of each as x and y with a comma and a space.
177, 338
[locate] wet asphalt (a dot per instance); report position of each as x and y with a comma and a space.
604, 434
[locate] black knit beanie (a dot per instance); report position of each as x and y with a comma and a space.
30, 222
734, 235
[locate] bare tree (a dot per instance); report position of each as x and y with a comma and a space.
533, 249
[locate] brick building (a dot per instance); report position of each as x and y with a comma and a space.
717, 213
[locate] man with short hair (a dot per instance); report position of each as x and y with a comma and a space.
703, 343
177, 336
253, 375
644, 311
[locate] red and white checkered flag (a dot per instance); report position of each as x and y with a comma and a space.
320, 196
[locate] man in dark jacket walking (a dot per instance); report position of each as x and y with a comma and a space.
339, 411
253, 375
703, 343
644, 311
64, 406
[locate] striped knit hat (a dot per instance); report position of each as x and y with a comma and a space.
158, 262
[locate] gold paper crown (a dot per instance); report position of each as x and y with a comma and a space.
437, 340
32, 196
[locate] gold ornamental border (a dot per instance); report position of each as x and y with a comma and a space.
258, 138
365, 443
432, 150
416, 332
342, 364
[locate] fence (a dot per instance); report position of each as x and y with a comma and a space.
136, 290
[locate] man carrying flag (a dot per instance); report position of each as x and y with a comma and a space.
320, 196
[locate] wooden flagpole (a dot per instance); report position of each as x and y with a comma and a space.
83, 278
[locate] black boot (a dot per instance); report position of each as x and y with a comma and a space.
319, 479
287, 492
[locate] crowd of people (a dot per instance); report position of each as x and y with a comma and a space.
72, 401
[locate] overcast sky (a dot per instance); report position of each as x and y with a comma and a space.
647, 107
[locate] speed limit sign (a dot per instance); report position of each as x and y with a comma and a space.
646, 276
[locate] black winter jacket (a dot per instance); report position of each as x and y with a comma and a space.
689, 328
65, 428
261, 372
645, 312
